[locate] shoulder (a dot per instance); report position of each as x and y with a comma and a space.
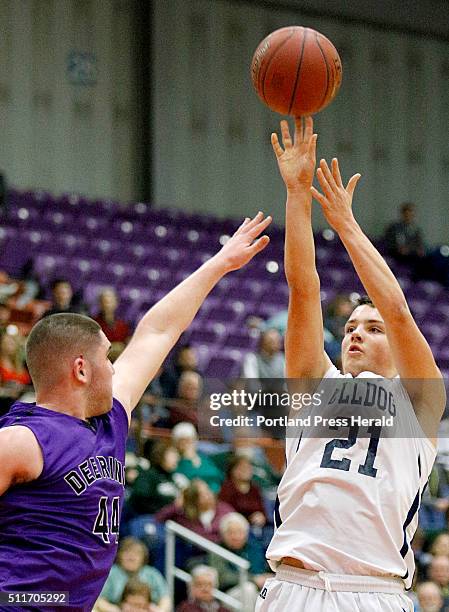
21, 451
151, 573
119, 411
224, 508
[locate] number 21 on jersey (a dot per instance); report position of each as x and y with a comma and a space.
367, 468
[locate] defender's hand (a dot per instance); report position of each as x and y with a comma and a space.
242, 246
336, 200
297, 159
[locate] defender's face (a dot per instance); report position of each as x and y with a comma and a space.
365, 346
100, 390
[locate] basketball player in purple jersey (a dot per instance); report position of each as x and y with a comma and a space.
347, 507
62, 458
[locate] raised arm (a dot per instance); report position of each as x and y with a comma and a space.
411, 353
161, 326
304, 341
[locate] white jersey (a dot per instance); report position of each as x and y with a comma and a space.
350, 505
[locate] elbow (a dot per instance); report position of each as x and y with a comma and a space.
400, 310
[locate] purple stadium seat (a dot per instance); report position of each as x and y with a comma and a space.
222, 367
242, 341
229, 312
61, 221
23, 216
45, 265
419, 307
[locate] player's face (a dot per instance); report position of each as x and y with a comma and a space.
365, 346
100, 390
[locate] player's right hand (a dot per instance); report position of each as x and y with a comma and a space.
297, 159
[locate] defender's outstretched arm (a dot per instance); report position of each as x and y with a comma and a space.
161, 326
304, 341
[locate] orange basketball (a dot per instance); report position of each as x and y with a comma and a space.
296, 71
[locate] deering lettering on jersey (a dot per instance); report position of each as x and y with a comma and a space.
366, 394
93, 469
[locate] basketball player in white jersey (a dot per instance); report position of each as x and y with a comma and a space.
347, 506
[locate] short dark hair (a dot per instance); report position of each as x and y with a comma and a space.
233, 461
59, 281
365, 300
158, 451
55, 336
407, 206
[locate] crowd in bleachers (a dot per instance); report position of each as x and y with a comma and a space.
222, 488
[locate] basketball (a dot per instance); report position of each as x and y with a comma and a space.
296, 71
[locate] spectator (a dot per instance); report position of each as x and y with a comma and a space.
132, 564
199, 511
201, 592
404, 239
116, 330
12, 363
137, 598
440, 545
268, 361
185, 361
5, 316
429, 598
157, 487
187, 403
234, 531
194, 464
8, 286
63, 300
239, 491
337, 315
439, 573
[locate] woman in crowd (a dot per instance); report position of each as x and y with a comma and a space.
198, 510
239, 490
131, 564
235, 537
158, 486
12, 362
194, 464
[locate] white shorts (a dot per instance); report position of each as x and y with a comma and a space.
297, 590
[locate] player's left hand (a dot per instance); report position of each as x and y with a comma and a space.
336, 200
245, 243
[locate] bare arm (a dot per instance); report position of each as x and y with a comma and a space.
304, 342
20, 457
161, 326
411, 353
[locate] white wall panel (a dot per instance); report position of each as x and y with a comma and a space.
212, 134
60, 135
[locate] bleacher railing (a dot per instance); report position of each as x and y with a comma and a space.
174, 530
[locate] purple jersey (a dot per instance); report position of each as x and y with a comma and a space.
59, 532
